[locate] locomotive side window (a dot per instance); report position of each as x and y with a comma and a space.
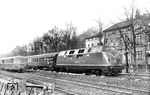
81, 51
71, 52
63, 53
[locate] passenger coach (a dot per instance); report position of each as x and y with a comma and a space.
17, 63
42, 61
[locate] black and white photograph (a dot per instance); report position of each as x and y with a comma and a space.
74, 47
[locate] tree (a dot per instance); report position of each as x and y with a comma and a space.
70, 37
20, 51
134, 22
100, 24
37, 47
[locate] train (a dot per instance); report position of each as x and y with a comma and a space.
98, 60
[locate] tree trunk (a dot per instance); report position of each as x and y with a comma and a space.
126, 55
146, 63
134, 48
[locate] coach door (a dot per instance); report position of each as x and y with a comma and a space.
148, 58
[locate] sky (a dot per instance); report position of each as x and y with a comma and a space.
23, 20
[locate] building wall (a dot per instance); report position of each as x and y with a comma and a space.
90, 42
113, 38
148, 46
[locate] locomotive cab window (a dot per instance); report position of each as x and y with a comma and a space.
89, 50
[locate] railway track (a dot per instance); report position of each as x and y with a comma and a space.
83, 85
113, 89
138, 76
127, 82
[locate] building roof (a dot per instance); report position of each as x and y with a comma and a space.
122, 24
95, 35
145, 18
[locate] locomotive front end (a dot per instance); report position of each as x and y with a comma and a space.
113, 58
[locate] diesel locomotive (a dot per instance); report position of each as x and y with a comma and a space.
98, 60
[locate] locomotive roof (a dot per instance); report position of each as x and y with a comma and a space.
104, 47
95, 49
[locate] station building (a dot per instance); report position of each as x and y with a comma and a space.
142, 31
94, 40
112, 37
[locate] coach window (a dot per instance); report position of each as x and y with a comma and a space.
45, 59
3, 61
38, 60
11, 60
41, 59
34, 60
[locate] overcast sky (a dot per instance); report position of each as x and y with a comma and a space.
23, 20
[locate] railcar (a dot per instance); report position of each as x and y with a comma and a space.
42, 61
99, 60
17, 63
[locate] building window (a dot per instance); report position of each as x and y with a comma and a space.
138, 37
88, 45
139, 55
92, 44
